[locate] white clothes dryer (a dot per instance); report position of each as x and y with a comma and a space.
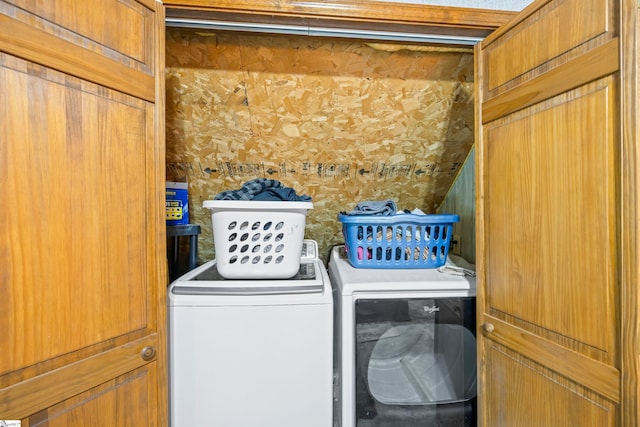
252, 353
405, 347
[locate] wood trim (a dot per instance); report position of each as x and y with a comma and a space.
353, 11
480, 234
149, 4
522, 16
27, 397
157, 245
602, 379
24, 41
597, 63
629, 212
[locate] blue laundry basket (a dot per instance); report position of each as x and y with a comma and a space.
399, 241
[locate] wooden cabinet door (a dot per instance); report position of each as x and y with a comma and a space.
555, 329
82, 260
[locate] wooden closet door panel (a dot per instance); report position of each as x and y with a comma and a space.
548, 215
551, 224
126, 401
535, 42
124, 26
39, 40
83, 276
564, 403
77, 226
630, 212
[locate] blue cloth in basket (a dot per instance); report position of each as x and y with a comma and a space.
377, 208
263, 189
382, 208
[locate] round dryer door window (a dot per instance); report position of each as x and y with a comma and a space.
415, 362
423, 363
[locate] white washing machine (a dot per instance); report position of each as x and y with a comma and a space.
405, 347
252, 353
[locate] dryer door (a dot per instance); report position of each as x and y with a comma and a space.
416, 361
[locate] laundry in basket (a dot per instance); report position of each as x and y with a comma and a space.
263, 189
258, 230
386, 239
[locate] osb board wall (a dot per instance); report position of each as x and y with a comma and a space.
342, 121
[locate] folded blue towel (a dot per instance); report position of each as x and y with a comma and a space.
381, 208
265, 190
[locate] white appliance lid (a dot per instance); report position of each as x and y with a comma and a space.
205, 280
350, 279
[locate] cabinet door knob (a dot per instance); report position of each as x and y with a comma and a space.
148, 353
488, 328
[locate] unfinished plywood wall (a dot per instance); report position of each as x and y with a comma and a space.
339, 120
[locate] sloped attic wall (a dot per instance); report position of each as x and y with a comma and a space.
342, 121
461, 200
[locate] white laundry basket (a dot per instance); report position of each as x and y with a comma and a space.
258, 239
